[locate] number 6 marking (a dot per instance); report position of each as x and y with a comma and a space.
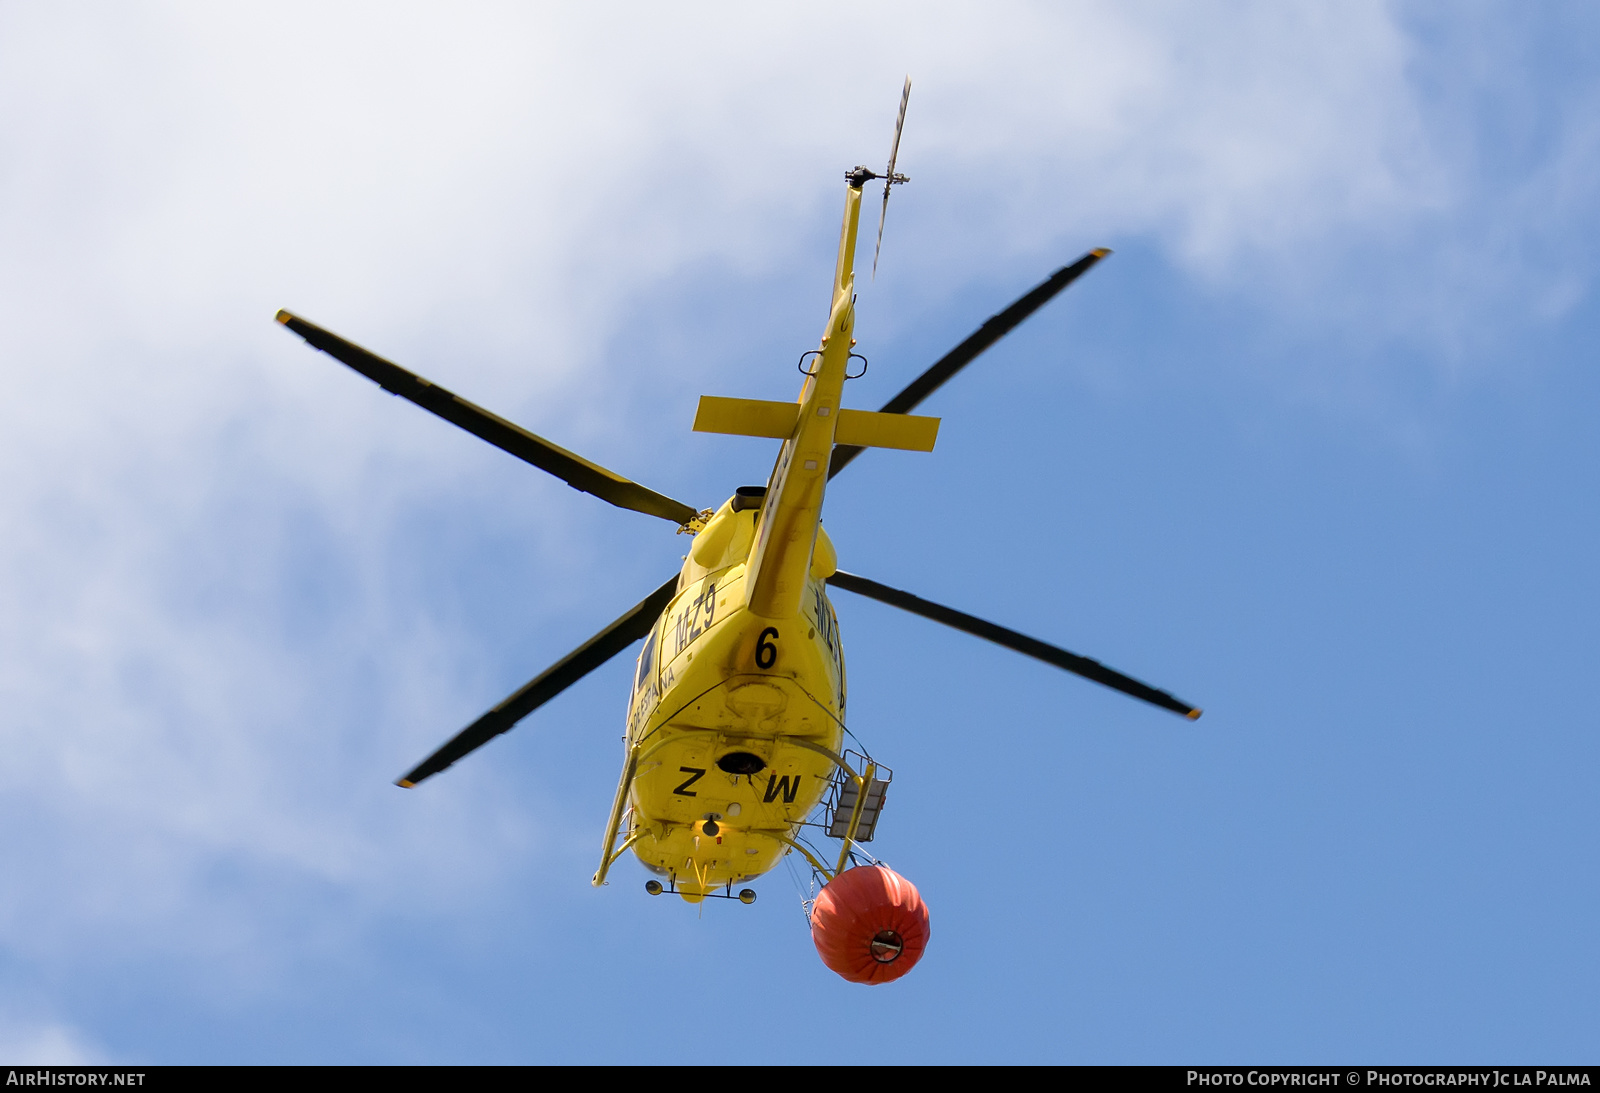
767, 651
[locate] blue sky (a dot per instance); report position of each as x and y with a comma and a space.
1313, 449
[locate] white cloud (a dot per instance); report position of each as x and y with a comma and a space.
45, 1044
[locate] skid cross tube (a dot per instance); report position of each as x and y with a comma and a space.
638, 833
810, 857
802, 742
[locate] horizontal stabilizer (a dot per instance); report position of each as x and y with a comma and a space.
869, 429
746, 417
776, 420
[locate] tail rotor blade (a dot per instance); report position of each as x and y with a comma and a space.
622, 633
889, 178
993, 329
571, 468
1021, 643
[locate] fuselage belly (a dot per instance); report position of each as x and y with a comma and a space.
734, 717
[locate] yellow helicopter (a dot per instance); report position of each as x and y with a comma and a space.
736, 725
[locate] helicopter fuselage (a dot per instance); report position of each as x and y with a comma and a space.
733, 718
736, 717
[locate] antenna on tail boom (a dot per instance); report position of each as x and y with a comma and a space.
889, 177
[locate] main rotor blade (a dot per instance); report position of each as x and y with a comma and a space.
549, 683
888, 176
1033, 647
993, 329
571, 468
